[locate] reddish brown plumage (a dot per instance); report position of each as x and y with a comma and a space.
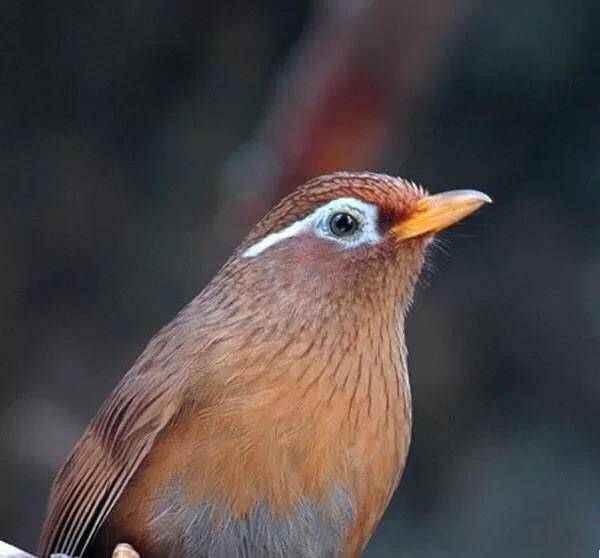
284, 380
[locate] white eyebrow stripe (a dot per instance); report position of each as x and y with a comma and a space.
274, 238
367, 212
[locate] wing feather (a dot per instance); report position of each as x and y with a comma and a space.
111, 450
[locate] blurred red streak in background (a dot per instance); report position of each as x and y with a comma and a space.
354, 77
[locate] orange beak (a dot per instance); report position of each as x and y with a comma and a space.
434, 213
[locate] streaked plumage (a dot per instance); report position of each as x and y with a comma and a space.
271, 418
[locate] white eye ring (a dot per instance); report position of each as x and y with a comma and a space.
319, 220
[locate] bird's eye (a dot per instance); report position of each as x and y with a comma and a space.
343, 224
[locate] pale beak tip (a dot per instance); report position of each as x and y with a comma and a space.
485, 198
474, 195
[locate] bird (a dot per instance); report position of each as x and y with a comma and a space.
271, 418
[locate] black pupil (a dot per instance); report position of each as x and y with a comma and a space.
343, 224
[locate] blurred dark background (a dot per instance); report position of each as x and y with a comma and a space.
139, 140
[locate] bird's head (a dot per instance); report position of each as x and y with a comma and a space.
347, 236
344, 246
